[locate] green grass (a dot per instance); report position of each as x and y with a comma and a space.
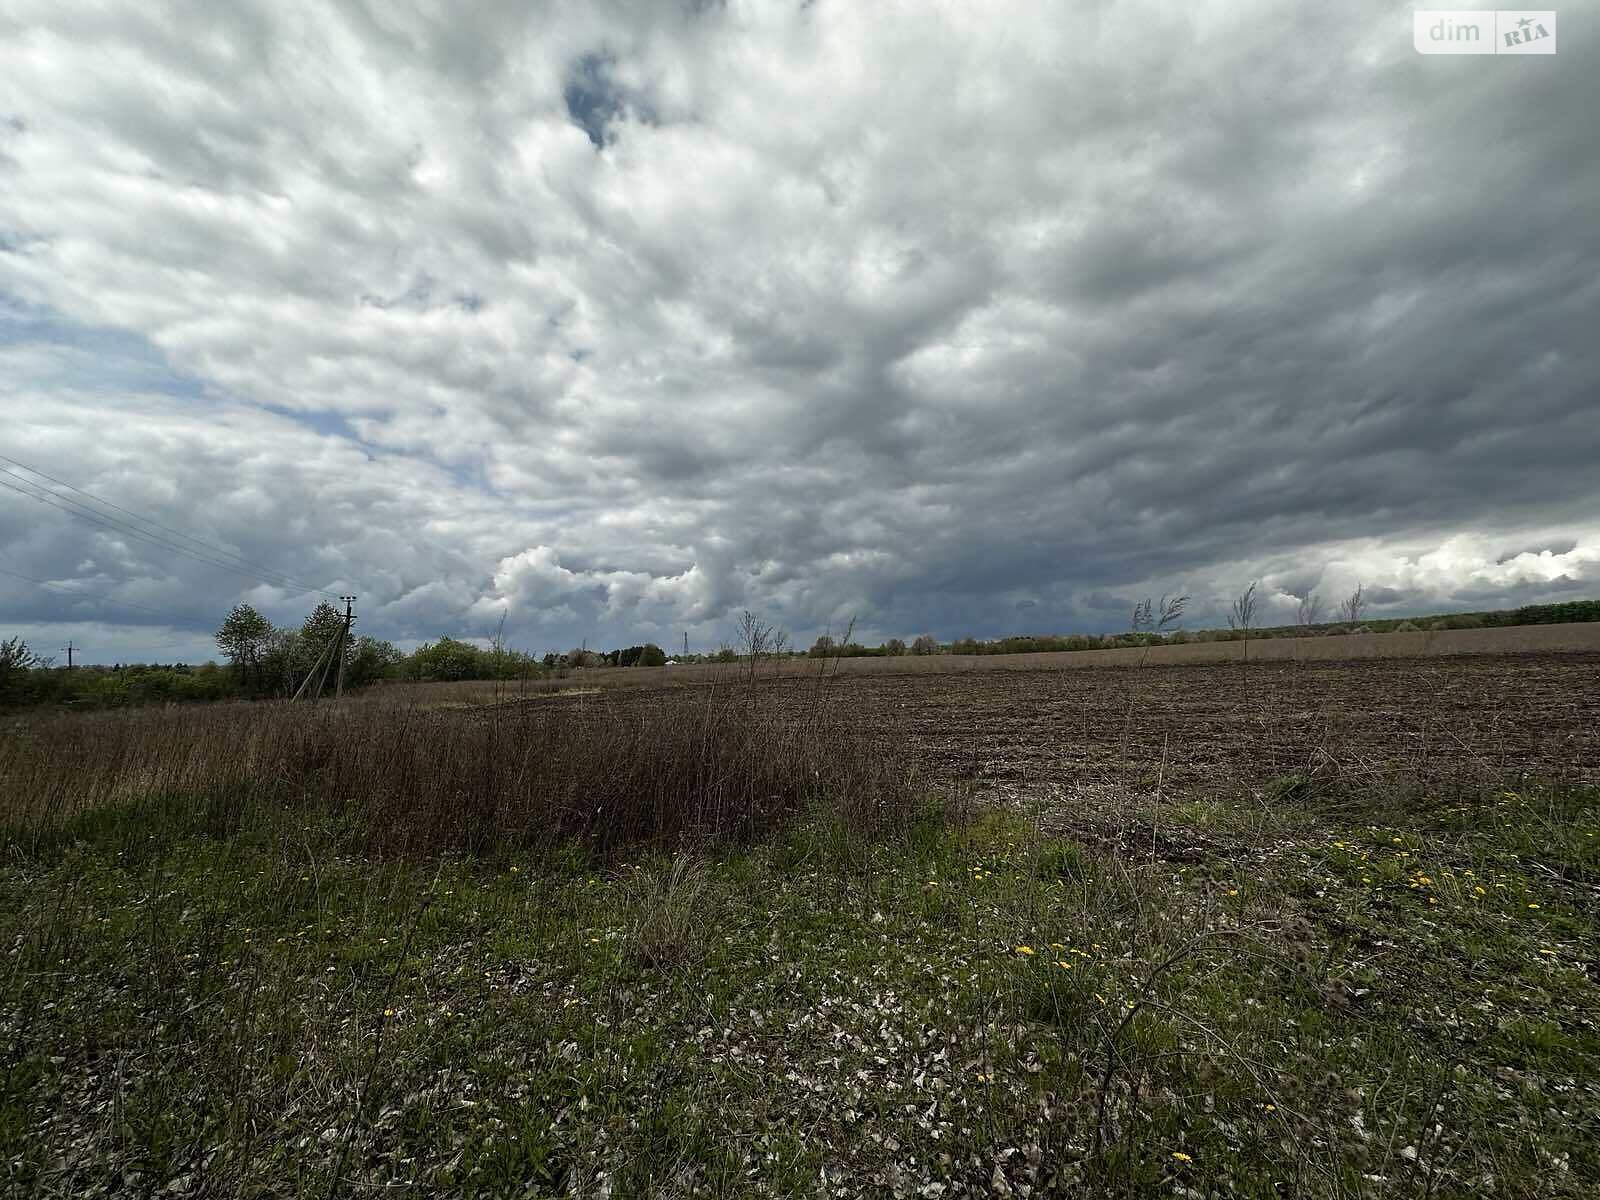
1308, 1005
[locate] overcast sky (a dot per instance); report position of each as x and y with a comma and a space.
618, 318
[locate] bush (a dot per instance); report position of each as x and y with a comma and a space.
648, 655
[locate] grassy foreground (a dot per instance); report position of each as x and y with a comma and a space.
1247, 996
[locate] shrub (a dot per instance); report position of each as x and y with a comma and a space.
662, 911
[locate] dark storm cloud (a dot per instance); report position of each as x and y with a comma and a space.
616, 318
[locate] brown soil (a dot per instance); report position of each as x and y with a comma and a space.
1188, 729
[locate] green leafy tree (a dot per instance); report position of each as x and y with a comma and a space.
323, 625
243, 637
372, 660
451, 660
651, 655
321, 630
16, 660
284, 662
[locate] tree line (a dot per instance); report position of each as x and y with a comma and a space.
266, 661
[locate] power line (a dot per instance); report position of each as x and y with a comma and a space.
83, 512
77, 508
207, 547
66, 591
207, 553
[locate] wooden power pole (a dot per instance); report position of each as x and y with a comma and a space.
344, 639
331, 654
69, 648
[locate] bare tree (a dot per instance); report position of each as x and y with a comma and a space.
1352, 606
1142, 620
1170, 612
1148, 618
1309, 612
758, 639
1242, 616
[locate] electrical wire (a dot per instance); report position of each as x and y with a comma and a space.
215, 556
66, 591
84, 512
208, 547
111, 524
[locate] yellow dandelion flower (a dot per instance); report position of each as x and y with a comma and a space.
388, 1012
1181, 1156
1233, 891
1533, 906
1025, 950
1063, 964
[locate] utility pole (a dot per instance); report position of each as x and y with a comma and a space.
331, 653
686, 644
69, 648
344, 638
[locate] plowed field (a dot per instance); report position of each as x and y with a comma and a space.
1187, 728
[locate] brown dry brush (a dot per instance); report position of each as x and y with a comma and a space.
700, 768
